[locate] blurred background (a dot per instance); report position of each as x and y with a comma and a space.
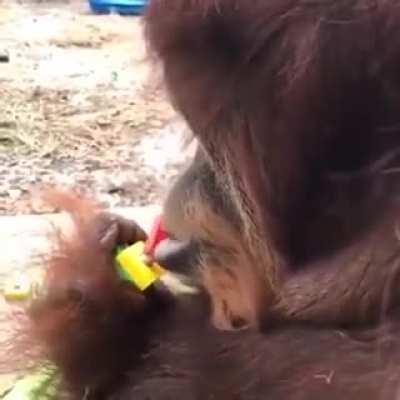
81, 107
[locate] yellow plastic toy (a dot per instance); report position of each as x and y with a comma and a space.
134, 267
23, 286
18, 288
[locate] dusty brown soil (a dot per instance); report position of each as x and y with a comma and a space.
81, 107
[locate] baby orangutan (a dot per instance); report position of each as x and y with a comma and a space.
287, 217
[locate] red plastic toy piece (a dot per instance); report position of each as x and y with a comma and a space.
157, 235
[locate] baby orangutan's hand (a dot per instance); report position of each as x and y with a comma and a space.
114, 230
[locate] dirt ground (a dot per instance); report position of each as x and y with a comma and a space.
81, 107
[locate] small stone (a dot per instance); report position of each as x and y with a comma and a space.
4, 58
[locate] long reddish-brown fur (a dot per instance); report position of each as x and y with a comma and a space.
292, 201
87, 307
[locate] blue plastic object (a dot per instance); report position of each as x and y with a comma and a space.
123, 7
